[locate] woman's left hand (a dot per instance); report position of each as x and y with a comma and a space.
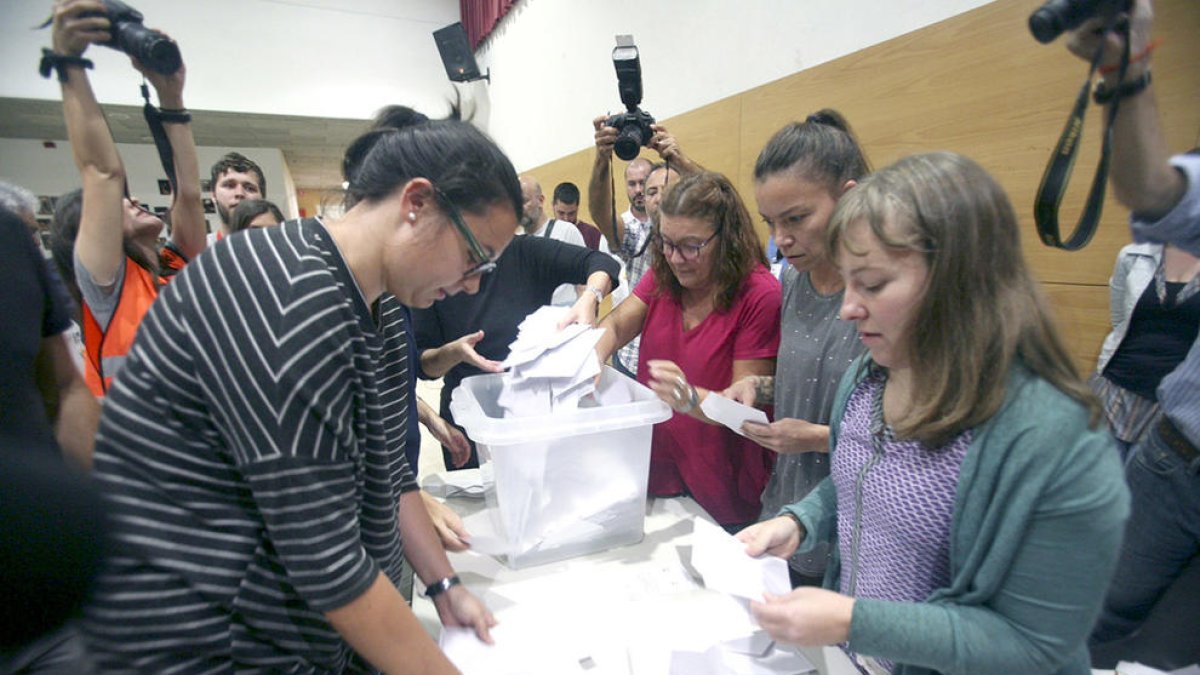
789, 436
807, 616
668, 381
459, 607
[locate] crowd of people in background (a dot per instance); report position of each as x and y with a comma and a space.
226, 453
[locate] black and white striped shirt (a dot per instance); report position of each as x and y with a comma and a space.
252, 455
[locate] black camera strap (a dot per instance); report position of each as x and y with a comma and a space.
154, 120
1062, 162
59, 64
654, 231
613, 195
612, 198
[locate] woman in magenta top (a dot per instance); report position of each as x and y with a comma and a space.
708, 316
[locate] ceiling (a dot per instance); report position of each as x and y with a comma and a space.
311, 146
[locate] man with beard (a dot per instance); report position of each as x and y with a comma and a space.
565, 206
534, 223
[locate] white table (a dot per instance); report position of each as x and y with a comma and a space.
616, 609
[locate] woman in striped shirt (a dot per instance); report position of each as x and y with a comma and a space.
259, 492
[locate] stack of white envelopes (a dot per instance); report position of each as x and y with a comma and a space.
550, 370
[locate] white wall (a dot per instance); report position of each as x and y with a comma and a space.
552, 70
51, 171
550, 59
321, 58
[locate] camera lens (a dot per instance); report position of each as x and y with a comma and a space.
155, 50
1047, 22
162, 55
629, 142
1058, 16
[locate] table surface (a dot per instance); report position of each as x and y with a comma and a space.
620, 609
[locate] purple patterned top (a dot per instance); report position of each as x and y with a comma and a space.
894, 504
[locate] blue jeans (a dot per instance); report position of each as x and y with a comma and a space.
1162, 536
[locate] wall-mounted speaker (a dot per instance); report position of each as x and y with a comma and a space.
456, 54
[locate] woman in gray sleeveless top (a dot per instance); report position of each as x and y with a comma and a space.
799, 176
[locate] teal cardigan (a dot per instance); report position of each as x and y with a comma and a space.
1037, 524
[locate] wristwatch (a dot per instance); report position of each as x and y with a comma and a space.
438, 587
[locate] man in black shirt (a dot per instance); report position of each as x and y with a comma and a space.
467, 335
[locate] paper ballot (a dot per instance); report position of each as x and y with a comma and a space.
721, 559
731, 413
549, 369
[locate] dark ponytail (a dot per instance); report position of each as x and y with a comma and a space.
822, 149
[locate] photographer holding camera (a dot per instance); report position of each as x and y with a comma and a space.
645, 183
1163, 470
118, 265
600, 191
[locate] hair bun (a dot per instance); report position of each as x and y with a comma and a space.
357, 152
388, 120
830, 118
398, 117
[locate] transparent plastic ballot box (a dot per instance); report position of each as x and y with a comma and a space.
568, 483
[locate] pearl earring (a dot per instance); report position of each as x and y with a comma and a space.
412, 215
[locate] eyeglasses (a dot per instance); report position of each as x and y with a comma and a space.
689, 252
483, 263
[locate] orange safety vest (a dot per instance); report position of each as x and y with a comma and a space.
105, 350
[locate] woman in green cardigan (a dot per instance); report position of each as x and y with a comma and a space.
974, 506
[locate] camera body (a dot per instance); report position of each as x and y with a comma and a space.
1056, 17
633, 132
633, 125
130, 35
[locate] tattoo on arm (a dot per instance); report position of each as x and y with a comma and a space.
764, 389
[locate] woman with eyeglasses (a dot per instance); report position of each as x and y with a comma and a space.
252, 453
708, 316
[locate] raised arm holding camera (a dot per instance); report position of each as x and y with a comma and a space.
1163, 471
600, 191
118, 265
625, 134
1143, 178
645, 184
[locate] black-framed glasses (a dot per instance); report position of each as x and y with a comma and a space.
689, 252
483, 263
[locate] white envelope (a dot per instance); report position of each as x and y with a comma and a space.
731, 413
721, 559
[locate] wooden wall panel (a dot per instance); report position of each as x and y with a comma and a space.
576, 168
1082, 313
977, 84
712, 136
